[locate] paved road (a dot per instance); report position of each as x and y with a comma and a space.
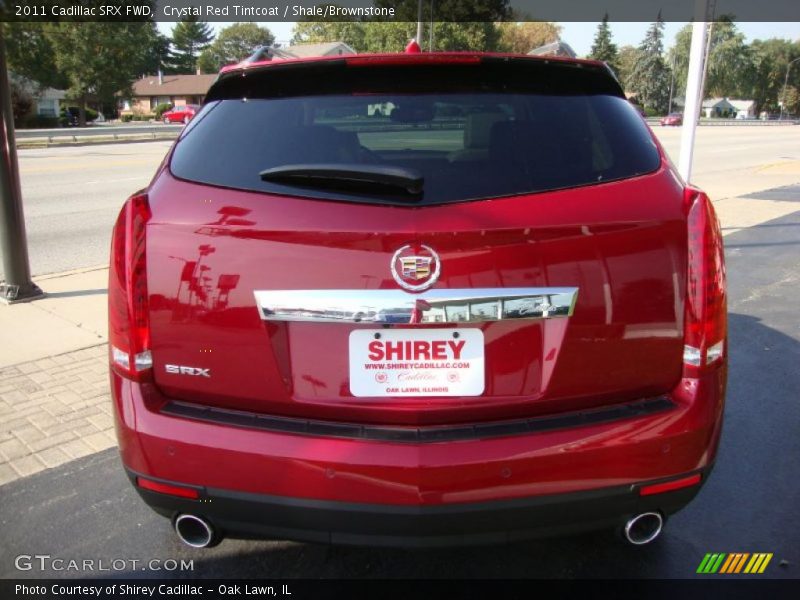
86, 509
72, 194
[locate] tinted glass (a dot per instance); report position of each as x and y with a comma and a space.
466, 145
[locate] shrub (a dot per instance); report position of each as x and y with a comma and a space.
126, 118
161, 109
91, 114
21, 103
39, 122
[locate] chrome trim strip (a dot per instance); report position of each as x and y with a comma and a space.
432, 306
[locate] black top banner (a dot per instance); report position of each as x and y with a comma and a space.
399, 10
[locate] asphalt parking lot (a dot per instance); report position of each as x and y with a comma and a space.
86, 509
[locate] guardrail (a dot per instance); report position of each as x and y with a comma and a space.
111, 132
735, 122
160, 131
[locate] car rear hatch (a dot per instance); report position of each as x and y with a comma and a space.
423, 241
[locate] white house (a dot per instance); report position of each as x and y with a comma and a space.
723, 107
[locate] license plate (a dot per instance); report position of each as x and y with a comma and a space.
416, 362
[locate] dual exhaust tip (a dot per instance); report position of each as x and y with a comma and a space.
643, 528
197, 532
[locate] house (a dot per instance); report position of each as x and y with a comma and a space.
725, 108
309, 50
557, 48
46, 101
745, 109
178, 90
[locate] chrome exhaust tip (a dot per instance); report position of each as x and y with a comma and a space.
643, 528
195, 531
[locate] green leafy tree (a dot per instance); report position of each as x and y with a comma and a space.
603, 48
730, 69
771, 59
460, 36
524, 36
99, 59
627, 57
30, 54
350, 32
234, 43
189, 38
387, 36
392, 36
157, 54
650, 77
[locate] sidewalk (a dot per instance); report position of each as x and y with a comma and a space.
54, 398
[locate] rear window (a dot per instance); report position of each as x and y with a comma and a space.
477, 139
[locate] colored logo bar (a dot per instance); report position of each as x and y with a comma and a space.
735, 562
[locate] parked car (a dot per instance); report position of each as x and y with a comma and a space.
672, 119
497, 313
180, 114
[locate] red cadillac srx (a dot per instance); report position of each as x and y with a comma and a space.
417, 299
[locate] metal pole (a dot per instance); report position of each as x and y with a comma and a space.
785, 83
430, 37
419, 23
672, 82
18, 286
694, 91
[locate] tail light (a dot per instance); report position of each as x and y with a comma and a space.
705, 324
128, 319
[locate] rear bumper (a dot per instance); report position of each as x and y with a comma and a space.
319, 487
246, 515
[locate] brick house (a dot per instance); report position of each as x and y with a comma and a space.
178, 90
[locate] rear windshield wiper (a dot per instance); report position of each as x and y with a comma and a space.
364, 178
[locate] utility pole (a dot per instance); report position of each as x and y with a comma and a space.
672, 82
419, 24
694, 88
18, 286
785, 83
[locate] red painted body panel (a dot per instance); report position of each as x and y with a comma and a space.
582, 458
622, 244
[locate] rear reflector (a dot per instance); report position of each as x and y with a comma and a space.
164, 488
668, 486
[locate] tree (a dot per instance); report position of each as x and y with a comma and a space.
392, 36
627, 57
189, 38
525, 36
730, 68
100, 59
449, 36
770, 61
30, 55
603, 48
349, 32
233, 44
387, 36
650, 77
157, 54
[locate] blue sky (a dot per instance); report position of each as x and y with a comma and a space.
580, 35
